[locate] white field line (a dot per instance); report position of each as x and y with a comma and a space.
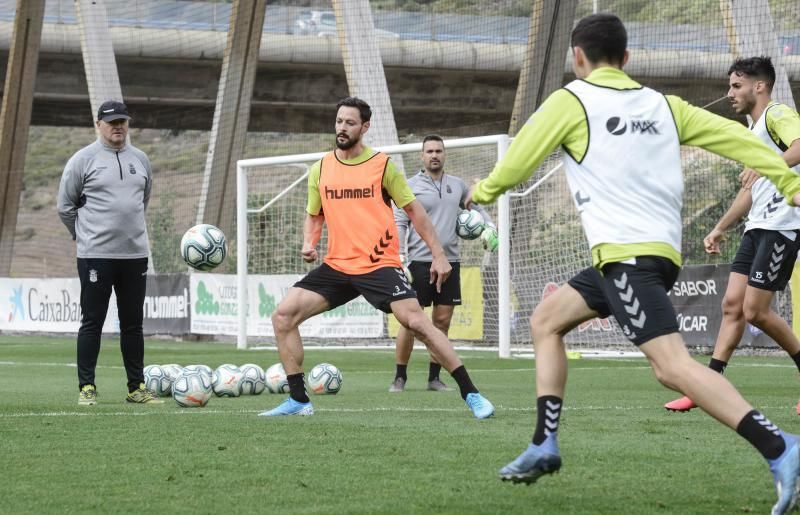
89, 412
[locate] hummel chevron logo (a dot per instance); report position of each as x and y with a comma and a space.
773, 204
626, 296
639, 322
630, 303
774, 266
581, 200
378, 251
373, 258
551, 424
552, 405
633, 308
771, 276
764, 421
779, 248
388, 236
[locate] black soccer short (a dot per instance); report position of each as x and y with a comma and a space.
380, 287
767, 258
426, 292
636, 294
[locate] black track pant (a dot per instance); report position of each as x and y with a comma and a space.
128, 277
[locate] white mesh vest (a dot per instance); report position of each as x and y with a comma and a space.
769, 209
629, 186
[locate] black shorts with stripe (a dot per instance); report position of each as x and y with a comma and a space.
426, 292
380, 287
767, 258
636, 294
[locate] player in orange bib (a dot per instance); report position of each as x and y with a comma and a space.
351, 189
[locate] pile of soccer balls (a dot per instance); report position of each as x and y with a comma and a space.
193, 385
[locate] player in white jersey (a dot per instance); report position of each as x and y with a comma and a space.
766, 255
621, 144
442, 195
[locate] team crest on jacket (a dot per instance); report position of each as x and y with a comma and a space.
449, 189
132, 169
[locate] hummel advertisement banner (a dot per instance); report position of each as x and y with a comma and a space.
166, 304
215, 309
697, 298
46, 305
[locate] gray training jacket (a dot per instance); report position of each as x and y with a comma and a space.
102, 199
442, 202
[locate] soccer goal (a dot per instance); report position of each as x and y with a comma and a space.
271, 199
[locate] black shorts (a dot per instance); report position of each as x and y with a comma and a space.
380, 287
767, 258
426, 292
635, 294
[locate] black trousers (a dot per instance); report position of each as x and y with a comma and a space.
128, 277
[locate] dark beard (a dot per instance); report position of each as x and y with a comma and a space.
346, 145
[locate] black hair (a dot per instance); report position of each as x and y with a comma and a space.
432, 137
760, 68
602, 37
363, 108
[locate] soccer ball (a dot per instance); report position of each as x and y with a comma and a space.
469, 224
325, 378
253, 379
192, 389
203, 247
173, 370
227, 381
158, 379
276, 379
200, 368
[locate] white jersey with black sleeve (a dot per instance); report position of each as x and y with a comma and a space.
769, 209
628, 188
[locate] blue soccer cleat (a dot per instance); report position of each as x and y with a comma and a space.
480, 405
534, 462
786, 471
289, 407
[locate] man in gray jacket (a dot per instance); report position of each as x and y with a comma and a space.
443, 196
102, 199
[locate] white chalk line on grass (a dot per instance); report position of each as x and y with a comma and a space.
374, 409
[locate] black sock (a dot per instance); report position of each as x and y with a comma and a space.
464, 382
548, 411
762, 434
297, 387
717, 365
401, 372
796, 359
433, 371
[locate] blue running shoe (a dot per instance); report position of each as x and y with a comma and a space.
480, 405
289, 407
786, 470
534, 462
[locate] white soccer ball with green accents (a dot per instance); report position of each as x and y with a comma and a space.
325, 379
469, 224
203, 247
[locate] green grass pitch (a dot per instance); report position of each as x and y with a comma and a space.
369, 451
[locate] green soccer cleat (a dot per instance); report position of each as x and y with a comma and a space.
88, 395
142, 395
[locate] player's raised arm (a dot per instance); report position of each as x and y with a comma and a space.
560, 120
727, 138
440, 267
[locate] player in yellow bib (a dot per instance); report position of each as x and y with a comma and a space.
351, 190
621, 144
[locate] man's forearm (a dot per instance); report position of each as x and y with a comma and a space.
738, 210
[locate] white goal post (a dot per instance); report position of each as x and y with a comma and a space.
246, 167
